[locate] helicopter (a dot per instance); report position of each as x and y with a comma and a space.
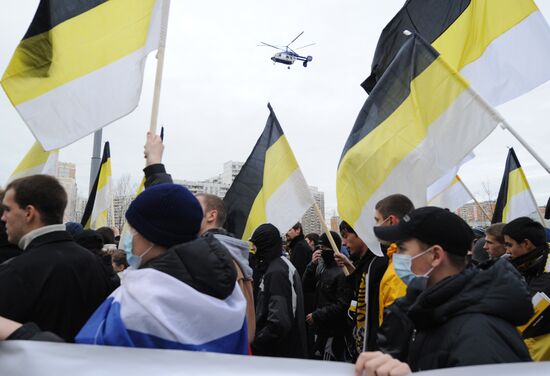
288, 56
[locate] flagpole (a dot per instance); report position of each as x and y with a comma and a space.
473, 198
96, 158
327, 232
508, 127
160, 64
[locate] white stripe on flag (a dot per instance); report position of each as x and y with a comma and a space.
449, 139
519, 205
289, 202
514, 63
86, 104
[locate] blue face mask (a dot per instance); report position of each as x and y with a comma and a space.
133, 260
403, 268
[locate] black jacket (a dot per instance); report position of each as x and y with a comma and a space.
7, 250
374, 268
300, 254
55, 283
466, 319
331, 297
156, 174
532, 267
280, 317
203, 263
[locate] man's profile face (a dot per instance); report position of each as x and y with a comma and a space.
292, 233
353, 242
514, 248
14, 217
493, 247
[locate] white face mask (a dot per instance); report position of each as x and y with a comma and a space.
133, 260
403, 268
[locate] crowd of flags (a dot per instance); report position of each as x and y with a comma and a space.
438, 69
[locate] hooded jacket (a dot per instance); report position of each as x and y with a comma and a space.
280, 316
465, 319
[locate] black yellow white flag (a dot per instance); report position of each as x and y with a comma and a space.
420, 121
502, 47
80, 65
515, 198
36, 161
100, 200
270, 187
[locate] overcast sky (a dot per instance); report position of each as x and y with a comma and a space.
217, 83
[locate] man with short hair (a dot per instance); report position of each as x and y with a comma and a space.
7, 250
494, 240
452, 315
55, 282
388, 212
300, 252
212, 223
525, 242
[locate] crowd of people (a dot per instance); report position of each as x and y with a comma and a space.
436, 298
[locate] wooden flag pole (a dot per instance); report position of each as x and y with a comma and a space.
160, 64
327, 232
473, 198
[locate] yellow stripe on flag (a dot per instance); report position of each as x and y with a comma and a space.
280, 164
81, 45
397, 136
476, 33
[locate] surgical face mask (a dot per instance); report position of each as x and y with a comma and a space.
133, 260
403, 268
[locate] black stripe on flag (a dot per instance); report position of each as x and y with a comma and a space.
247, 184
86, 216
413, 58
427, 18
512, 164
51, 13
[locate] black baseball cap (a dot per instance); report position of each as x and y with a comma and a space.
431, 225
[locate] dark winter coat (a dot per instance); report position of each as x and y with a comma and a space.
280, 317
55, 283
300, 254
7, 250
331, 297
204, 264
466, 319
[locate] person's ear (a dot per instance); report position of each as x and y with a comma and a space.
212, 215
527, 244
31, 214
438, 255
394, 220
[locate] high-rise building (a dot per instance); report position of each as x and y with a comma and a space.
310, 221
217, 185
335, 223
65, 173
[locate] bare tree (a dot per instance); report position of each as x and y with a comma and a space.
489, 197
124, 191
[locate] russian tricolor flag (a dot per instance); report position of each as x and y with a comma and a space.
152, 309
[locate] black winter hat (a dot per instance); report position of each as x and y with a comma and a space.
431, 225
166, 214
267, 236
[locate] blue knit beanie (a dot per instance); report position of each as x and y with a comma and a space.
166, 214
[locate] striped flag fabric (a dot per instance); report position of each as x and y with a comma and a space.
80, 66
420, 121
100, 200
515, 198
502, 47
36, 161
152, 309
452, 197
270, 187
